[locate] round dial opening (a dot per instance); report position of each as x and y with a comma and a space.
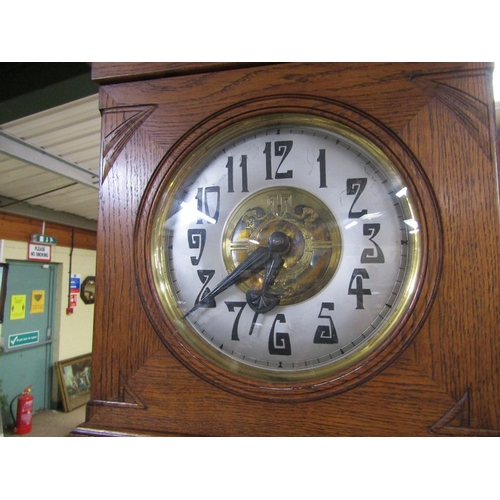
335, 291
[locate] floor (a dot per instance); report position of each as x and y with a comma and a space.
52, 423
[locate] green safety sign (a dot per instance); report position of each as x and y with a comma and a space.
22, 339
41, 238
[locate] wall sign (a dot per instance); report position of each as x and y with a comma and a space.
37, 301
38, 252
74, 283
17, 307
23, 339
41, 238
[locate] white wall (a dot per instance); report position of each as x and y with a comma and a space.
72, 333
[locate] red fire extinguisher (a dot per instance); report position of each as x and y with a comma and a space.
24, 418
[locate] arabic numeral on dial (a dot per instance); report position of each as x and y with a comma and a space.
322, 168
231, 308
196, 241
230, 174
356, 187
281, 149
326, 334
279, 342
356, 286
208, 204
205, 276
372, 255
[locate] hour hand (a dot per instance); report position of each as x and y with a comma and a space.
254, 262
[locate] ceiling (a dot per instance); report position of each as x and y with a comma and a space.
50, 142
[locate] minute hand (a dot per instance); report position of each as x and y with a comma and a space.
253, 263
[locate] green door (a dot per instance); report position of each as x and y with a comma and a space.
26, 358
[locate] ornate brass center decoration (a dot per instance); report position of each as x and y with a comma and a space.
315, 240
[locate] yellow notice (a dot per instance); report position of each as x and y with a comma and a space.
37, 301
18, 307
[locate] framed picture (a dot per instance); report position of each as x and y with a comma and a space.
74, 377
4, 268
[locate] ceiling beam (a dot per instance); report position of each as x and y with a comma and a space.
22, 150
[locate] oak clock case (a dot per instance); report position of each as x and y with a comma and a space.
434, 372
285, 256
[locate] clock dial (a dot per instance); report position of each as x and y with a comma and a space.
286, 249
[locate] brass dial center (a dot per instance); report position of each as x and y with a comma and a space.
303, 228
279, 242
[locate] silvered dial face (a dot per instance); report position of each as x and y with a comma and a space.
286, 249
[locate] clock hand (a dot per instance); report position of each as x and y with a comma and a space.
250, 265
262, 301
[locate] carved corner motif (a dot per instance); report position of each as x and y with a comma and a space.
457, 421
126, 398
471, 112
130, 119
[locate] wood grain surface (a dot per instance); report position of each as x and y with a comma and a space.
19, 228
438, 120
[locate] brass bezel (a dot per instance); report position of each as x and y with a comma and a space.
388, 329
